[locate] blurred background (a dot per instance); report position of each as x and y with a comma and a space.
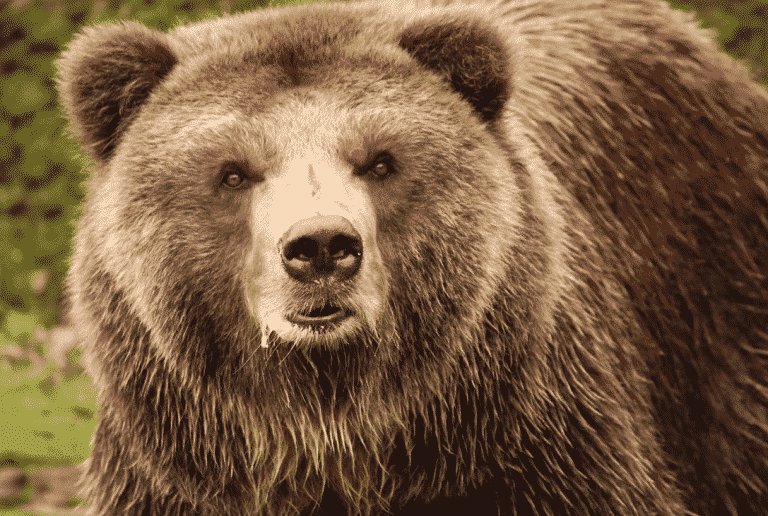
47, 402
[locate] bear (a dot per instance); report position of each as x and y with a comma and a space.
425, 257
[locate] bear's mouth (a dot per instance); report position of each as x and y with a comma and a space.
319, 316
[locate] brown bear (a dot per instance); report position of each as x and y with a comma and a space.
400, 258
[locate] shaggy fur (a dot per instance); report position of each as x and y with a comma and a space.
554, 245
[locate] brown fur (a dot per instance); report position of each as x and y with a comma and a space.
560, 301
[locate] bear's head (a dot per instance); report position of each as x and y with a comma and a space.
304, 187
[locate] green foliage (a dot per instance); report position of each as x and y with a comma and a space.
741, 29
39, 169
42, 422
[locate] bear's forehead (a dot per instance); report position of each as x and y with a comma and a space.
255, 79
293, 46
264, 93
262, 73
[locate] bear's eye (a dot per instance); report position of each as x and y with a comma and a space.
382, 166
232, 176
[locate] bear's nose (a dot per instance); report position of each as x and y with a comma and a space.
323, 247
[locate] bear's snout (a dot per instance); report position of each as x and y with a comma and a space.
321, 248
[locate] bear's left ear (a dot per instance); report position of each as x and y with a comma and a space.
105, 75
471, 54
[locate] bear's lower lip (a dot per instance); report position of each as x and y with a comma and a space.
321, 316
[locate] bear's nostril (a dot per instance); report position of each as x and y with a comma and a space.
304, 249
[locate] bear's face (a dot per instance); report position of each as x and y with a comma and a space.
327, 196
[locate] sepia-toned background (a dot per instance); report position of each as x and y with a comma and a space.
47, 403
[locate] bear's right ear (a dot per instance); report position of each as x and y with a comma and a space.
469, 53
105, 75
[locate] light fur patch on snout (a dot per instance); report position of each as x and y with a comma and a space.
309, 188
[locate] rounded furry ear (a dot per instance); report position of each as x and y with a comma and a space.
105, 75
471, 54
